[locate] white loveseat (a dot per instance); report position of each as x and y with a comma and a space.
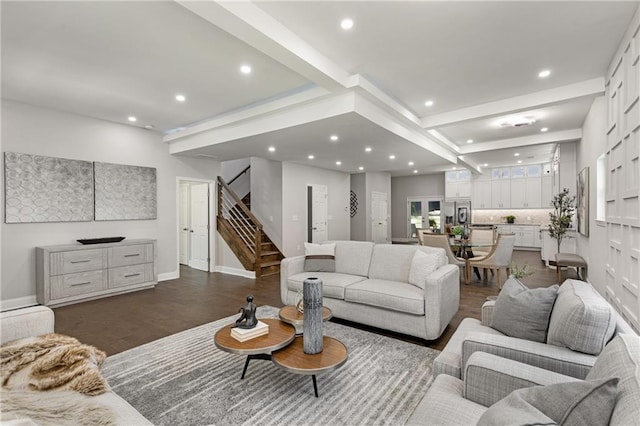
371, 286
39, 320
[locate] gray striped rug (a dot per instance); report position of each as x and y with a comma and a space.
184, 379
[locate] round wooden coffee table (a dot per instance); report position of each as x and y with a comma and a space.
293, 359
280, 335
291, 315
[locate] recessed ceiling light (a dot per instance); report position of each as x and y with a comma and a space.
392, 157
334, 137
544, 129
517, 154
272, 149
245, 69
132, 119
411, 163
428, 103
360, 168
368, 149
469, 140
338, 163
485, 165
346, 24
148, 126
544, 73
453, 168
415, 171
181, 98
311, 157
519, 161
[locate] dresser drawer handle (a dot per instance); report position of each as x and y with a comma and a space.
132, 255
81, 261
131, 275
84, 283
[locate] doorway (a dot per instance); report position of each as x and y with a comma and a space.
317, 230
379, 217
195, 216
423, 212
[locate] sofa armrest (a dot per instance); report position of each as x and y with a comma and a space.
487, 312
549, 357
26, 322
289, 266
489, 378
441, 298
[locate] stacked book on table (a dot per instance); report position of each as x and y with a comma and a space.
244, 334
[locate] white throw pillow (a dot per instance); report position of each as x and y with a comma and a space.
422, 266
319, 257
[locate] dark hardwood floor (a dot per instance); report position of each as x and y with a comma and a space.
118, 323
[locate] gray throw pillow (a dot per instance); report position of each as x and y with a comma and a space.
320, 257
522, 312
589, 402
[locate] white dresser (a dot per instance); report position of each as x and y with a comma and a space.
74, 273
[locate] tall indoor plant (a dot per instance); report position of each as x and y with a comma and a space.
560, 219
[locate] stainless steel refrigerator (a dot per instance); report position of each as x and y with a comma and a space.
457, 212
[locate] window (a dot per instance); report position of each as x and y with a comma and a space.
601, 179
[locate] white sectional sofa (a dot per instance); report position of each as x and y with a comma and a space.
371, 286
39, 320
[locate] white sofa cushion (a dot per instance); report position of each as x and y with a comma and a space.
333, 283
391, 295
581, 319
422, 265
391, 262
353, 257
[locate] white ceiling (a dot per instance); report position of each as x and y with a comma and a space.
478, 61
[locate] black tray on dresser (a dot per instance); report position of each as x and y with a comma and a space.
101, 240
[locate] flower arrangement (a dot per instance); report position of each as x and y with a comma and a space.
519, 272
458, 231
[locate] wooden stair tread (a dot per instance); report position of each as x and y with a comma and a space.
267, 264
268, 253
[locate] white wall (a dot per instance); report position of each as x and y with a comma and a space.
40, 131
295, 178
594, 247
230, 169
266, 196
377, 182
359, 221
411, 186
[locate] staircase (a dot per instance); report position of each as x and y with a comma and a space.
244, 234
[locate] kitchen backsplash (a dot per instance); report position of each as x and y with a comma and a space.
523, 216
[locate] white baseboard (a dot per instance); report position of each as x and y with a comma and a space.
169, 276
236, 271
18, 302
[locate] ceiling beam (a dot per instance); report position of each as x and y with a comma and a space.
593, 87
540, 139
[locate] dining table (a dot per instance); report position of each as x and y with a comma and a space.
463, 249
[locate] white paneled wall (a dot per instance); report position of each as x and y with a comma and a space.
623, 177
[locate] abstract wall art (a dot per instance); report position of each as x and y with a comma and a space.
582, 202
47, 189
125, 192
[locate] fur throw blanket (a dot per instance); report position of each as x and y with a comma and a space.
52, 362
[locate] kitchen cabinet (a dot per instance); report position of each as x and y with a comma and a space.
546, 191
526, 193
74, 273
457, 184
500, 193
527, 236
481, 194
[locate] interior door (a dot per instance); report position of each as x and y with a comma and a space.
199, 244
379, 219
318, 213
184, 224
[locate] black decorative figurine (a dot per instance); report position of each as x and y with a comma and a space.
248, 318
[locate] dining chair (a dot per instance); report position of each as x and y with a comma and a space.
498, 258
430, 239
483, 237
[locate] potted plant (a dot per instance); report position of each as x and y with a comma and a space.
458, 232
510, 218
518, 272
433, 225
560, 218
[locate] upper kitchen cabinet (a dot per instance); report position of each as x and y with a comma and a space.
481, 194
457, 184
526, 187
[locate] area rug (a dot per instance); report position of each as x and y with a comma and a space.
184, 379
